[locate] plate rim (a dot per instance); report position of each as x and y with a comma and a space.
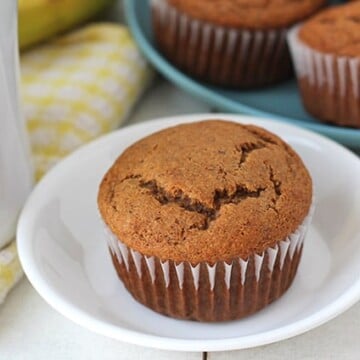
81, 317
347, 136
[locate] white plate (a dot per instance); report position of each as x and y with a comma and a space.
64, 254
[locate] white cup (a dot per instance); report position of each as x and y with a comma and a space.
16, 176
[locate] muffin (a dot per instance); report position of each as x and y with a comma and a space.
206, 220
326, 54
231, 43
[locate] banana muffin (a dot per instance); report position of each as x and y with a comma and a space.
326, 53
232, 43
206, 220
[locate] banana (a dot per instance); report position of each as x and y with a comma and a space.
42, 19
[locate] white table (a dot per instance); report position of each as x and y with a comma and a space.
31, 329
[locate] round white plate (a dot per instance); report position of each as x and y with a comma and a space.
63, 250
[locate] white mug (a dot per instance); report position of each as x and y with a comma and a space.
16, 177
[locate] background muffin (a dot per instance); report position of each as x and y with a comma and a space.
206, 220
234, 43
326, 52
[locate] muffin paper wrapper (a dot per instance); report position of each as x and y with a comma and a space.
221, 55
330, 84
252, 282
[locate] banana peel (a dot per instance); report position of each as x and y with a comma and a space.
40, 20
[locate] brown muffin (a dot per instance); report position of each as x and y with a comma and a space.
206, 219
326, 51
249, 14
232, 43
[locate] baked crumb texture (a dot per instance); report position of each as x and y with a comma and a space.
205, 191
206, 220
249, 14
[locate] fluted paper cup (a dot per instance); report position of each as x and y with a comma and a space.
219, 55
224, 290
329, 84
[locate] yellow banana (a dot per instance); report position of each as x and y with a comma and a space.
42, 19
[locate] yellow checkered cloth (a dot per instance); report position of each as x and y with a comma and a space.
74, 89
10, 269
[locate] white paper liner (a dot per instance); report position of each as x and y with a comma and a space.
221, 55
288, 247
329, 75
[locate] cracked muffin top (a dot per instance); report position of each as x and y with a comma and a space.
251, 14
207, 191
335, 30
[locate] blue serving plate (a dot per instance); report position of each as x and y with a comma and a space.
280, 102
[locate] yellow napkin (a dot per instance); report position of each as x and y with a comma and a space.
74, 89
10, 269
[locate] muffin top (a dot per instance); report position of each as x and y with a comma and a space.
251, 14
206, 191
335, 30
